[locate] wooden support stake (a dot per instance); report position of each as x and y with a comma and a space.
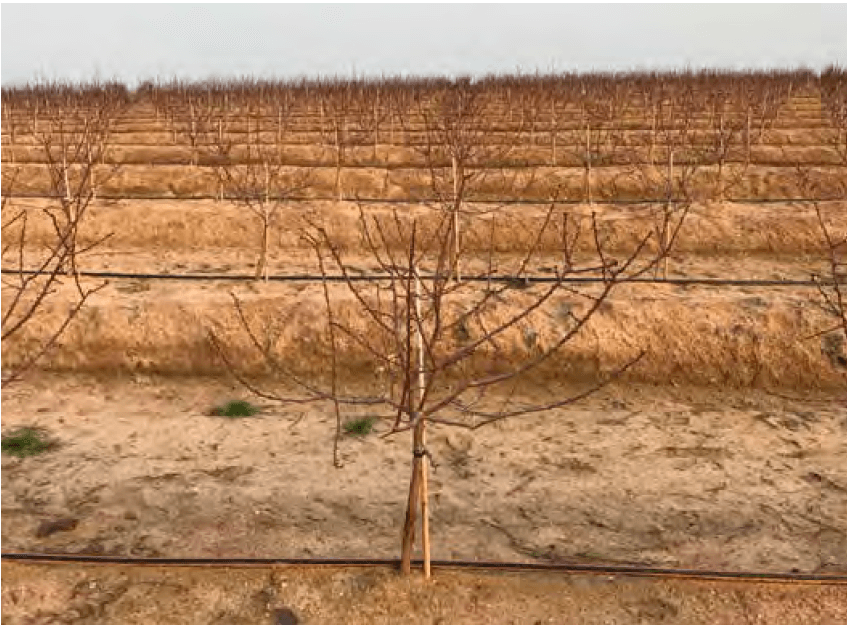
588, 162
455, 259
424, 495
411, 513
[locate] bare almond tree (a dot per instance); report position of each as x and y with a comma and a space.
461, 154
370, 115
254, 174
74, 140
443, 345
598, 138
337, 113
10, 127
832, 286
727, 128
833, 86
195, 122
30, 284
669, 178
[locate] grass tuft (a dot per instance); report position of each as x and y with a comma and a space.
236, 408
360, 427
26, 442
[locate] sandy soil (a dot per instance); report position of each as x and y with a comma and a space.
688, 479
126, 595
784, 229
538, 182
741, 337
295, 262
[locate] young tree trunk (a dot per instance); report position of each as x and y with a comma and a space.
534, 115
408, 539
376, 126
66, 179
195, 152
68, 209
93, 180
262, 262
588, 195
653, 122
418, 486
668, 212
555, 133
721, 159
747, 137
11, 123
192, 132
523, 116
338, 158
457, 201
266, 212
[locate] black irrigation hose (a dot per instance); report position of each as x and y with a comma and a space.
406, 201
517, 281
593, 569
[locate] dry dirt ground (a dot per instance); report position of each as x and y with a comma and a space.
126, 595
681, 478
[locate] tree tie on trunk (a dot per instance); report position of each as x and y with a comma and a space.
421, 452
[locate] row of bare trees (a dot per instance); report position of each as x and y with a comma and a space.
72, 127
356, 112
467, 134
575, 111
455, 150
832, 285
552, 110
461, 146
509, 99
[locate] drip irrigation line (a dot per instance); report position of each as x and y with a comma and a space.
592, 569
418, 201
517, 281
305, 133
516, 165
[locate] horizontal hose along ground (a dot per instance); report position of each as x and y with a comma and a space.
518, 281
637, 571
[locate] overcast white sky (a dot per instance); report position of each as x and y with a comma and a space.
138, 41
